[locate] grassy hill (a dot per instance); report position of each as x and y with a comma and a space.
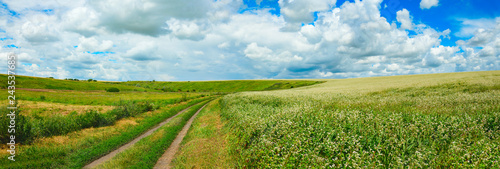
48, 83
223, 86
201, 86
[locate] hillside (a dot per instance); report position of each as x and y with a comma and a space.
223, 86
29, 82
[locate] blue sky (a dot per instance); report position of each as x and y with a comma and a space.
245, 39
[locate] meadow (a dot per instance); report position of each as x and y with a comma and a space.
449, 120
70, 123
223, 86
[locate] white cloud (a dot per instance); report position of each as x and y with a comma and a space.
427, 4
296, 12
93, 45
403, 17
37, 29
176, 40
143, 51
470, 26
36, 70
146, 17
82, 20
186, 29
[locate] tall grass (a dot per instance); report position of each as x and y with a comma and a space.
37, 127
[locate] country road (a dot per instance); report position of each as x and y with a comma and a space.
131, 143
166, 159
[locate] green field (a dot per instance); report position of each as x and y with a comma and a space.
449, 120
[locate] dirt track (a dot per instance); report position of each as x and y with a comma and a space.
126, 146
166, 159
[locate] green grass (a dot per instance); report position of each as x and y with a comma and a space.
438, 121
223, 86
81, 147
47, 83
156, 144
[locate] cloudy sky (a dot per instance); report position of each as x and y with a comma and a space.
234, 39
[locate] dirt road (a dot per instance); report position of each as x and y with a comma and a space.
166, 159
126, 146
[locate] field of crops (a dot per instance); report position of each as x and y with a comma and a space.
437, 121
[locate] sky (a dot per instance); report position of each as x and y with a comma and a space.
173, 40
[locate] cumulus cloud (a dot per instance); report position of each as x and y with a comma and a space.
38, 30
146, 17
143, 51
186, 29
186, 40
93, 45
296, 12
82, 20
427, 4
439, 55
470, 26
403, 17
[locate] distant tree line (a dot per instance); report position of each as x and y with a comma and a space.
89, 80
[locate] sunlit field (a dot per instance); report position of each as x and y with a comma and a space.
438, 120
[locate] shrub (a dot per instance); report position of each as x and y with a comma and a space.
42, 97
113, 89
23, 132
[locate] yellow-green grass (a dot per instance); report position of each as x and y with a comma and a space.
225, 86
438, 120
29, 82
94, 98
78, 148
146, 152
205, 145
47, 109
